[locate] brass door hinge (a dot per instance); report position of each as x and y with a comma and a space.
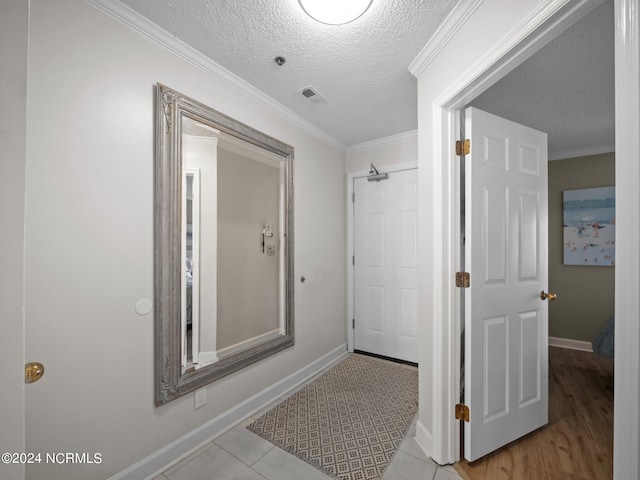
463, 147
462, 412
463, 280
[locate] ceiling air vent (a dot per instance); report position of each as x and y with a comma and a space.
311, 94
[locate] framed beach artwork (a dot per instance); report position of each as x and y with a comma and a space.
589, 217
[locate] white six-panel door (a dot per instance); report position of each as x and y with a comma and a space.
506, 253
386, 262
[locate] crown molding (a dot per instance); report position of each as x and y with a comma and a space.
454, 21
381, 142
548, 20
141, 25
563, 155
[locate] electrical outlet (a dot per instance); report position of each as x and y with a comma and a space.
271, 250
201, 397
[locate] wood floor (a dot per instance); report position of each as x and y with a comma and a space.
577, 443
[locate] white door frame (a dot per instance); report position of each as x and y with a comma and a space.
14, 50
351, 176
445, 311
626, 428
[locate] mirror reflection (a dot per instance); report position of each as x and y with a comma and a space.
224, 296
232, 283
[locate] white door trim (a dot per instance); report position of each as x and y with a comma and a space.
542, 26
351, 176
626, 428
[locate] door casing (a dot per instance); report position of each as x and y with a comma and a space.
14, 50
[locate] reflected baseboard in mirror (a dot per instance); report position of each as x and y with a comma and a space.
223, 253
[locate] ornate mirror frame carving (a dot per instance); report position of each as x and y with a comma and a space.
170, 380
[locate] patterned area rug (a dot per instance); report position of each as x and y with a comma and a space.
348, 422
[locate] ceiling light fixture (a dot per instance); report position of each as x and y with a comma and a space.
335, 12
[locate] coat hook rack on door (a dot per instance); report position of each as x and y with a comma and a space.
375, 175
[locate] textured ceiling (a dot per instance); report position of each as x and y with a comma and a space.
360, 67
566, 89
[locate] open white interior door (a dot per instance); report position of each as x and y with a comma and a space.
506, 331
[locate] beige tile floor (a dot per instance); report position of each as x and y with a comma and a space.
242, 455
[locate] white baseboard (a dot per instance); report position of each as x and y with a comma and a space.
571, 344
424, 439
154, 464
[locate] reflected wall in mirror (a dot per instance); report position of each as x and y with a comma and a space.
223, 245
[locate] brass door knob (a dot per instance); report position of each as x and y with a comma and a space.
550, 296
33, 372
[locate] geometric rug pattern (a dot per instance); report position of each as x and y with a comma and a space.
350, 421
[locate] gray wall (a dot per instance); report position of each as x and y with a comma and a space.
585, 294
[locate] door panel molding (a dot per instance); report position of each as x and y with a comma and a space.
351, 176
385, 270
495, 218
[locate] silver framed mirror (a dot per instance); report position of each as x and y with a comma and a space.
223, 245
